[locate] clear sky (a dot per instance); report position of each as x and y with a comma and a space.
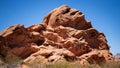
104, 15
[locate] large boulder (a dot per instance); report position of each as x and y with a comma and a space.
64, 34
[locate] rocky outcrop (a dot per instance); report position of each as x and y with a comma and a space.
117, 57
19, 41
64, 34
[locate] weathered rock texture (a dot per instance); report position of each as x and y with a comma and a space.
64, 34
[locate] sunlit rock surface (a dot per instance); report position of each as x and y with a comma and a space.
64, 34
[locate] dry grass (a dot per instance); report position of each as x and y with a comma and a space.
14, 62
65, 64
10, 62
111, 65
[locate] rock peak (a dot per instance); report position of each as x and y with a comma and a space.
66, 17
64, 6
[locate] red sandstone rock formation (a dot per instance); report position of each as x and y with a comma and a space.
64, 34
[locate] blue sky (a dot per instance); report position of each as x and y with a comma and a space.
104, 15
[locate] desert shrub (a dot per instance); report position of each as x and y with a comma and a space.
111, 65
65, 64
10, 62
62, 64
14, 62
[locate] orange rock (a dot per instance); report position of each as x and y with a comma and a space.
63, 35
67, 17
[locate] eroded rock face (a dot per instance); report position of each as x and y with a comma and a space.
67, 17
64, 34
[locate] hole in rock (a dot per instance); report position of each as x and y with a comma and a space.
40, 42
66, 11
47, 56
56, 19
52, 60
92, 34
73, 13
68, 58
16, 28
